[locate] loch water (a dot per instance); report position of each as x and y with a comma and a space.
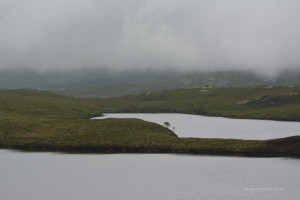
217, 127
48, 176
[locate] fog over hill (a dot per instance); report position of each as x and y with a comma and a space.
169, 35
105, 83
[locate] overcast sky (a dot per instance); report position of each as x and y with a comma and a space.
263, 35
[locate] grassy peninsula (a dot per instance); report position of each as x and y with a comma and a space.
44, 121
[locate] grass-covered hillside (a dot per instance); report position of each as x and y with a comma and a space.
35, 104
43, 121
32, 119
278, 103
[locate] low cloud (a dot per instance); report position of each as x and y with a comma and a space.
183, 35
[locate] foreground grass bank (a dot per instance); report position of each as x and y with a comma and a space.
150, 139
43, 121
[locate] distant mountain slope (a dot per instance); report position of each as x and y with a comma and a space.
100, 83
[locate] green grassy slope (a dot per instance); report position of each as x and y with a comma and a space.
36, 119
278, 103
42, 104
43, 121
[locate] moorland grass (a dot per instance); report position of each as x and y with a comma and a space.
276, 103
44, 121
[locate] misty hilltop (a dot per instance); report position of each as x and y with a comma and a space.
103, 83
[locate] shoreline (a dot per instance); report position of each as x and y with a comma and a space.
265, 148
204, 115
